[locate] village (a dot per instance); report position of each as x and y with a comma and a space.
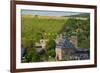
65, 50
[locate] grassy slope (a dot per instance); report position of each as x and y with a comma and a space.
33, 25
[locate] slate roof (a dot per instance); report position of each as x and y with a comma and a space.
64, 43
82, 50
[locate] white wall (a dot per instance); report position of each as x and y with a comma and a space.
5, 36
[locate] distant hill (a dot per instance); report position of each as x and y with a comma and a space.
81, 15
42, 17
84, 15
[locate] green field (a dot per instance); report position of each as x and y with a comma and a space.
34, 27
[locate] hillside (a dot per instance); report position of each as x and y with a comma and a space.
83, 15
36, 27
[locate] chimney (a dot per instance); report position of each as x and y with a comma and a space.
73, 40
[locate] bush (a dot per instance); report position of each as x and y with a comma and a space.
31, 55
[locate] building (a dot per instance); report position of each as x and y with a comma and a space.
40, 46
64, 48
82, 53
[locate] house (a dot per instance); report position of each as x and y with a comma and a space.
41, 43
40, 46
64, 48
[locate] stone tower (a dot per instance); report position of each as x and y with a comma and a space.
64, 46
58, 49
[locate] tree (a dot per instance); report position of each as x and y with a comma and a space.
80, 28
43, 55
50, 48
31, 55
